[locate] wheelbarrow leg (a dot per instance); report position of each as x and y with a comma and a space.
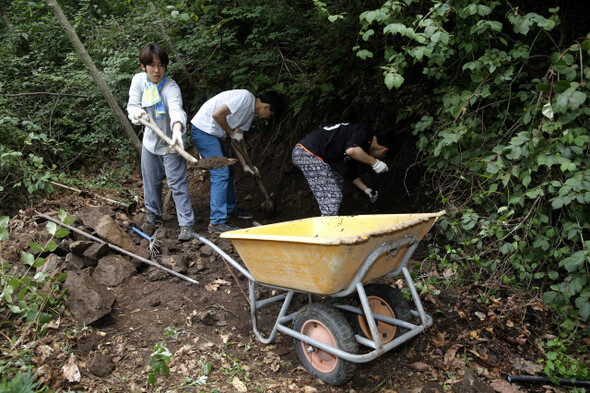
254, 305
369, 316
425, 319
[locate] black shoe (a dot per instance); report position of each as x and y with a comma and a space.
153, 219
223, 227
243, 214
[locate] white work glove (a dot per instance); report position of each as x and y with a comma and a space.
372, 194
141, 113
237, 136
253, 170
177, 138
380, 167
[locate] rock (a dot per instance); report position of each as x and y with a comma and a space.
91, 216
74, 262
87, 300
110, 231
206, 251
78, 247
471, 384
94, 253
53, 266
155, 274
175, 262
101, 365
112, 270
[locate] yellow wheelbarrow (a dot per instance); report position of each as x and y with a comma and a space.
335, 257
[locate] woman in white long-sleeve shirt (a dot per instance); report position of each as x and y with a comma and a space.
153, 92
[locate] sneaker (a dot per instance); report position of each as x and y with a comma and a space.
223, 227
243, 214
153, 219
186, 233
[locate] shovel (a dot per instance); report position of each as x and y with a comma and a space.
267, 205
203, 163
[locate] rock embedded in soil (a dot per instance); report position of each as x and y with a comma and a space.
112, 270
101, 365
87, 300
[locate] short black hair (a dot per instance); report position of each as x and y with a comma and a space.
389, 140
275, 100
147, 53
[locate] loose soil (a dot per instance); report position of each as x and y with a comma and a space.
480, 334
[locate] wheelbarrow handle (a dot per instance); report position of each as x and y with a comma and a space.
141, 234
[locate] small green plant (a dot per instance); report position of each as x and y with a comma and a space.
24, 295
172, 332
560, 364
160, 358
32, 297
24, 383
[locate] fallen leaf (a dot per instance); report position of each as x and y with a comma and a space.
70, 370
212, 287
43, 352
527, 366
502, 386
474, 334
239, 385
419, 366
439, 339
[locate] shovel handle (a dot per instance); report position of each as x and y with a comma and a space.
241, 148
151, 124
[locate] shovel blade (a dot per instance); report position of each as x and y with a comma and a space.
211, 163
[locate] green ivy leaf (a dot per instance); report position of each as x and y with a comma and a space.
61, 233
38, 262
548, 111
393, 80
364, 54
35, 247
27, 258
574, 262
51, 227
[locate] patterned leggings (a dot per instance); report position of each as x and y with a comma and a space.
325, 183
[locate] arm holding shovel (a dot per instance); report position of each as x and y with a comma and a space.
220, 116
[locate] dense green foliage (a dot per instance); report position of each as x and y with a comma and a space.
507, 139
495, 95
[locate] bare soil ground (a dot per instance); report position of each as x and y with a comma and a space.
477, 338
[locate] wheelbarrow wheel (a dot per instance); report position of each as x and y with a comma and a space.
387, 301
326, 324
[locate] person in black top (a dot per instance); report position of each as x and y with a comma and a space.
344, 142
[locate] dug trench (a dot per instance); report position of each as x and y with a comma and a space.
476, 340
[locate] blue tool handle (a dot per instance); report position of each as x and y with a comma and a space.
141, 233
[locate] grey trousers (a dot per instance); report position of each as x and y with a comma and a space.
326, 184
172, 166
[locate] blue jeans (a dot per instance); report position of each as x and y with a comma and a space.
223, 196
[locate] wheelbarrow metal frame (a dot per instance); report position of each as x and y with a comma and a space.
375, 344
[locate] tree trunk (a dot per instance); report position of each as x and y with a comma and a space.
106, 92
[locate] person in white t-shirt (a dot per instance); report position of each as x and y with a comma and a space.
229, 113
